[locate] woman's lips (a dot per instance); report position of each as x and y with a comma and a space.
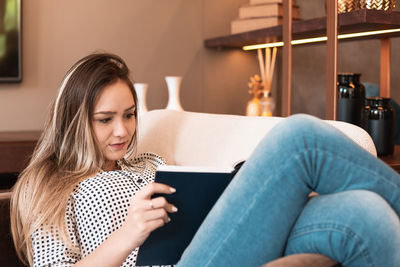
118, 145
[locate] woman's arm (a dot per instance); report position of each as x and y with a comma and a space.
144, 216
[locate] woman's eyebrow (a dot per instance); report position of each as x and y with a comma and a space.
132, 107
113, 112
105, 112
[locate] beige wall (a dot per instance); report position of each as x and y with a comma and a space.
159, 38
156, 38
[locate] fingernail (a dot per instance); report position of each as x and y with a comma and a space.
173, 190
174, 209
168, 219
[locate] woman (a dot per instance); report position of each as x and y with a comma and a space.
85, 200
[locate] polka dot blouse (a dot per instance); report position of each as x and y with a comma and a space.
96, 208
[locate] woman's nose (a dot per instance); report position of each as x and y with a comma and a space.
120, 129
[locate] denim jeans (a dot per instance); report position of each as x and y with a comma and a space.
266, 213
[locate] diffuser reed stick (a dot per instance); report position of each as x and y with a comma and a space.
267, 68
261, 63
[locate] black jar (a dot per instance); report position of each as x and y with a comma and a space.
350, 98
379, 122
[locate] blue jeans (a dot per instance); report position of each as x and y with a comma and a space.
265, 212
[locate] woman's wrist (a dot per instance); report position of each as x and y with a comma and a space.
112, 252
124, 236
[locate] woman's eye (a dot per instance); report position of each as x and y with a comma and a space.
130, 115
105, 120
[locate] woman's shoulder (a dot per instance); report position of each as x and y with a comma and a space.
101, 184
148, 157
134, 174
142, 163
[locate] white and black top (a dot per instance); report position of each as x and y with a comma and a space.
96, 208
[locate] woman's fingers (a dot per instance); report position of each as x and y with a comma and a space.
146, 214
155, 188
161, 202
156, 214
142, 199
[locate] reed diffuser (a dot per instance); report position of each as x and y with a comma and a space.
262, 103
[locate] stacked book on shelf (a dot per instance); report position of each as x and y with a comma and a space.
260, 14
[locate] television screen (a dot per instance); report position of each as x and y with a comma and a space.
10, 41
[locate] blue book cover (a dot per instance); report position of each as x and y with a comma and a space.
197, 190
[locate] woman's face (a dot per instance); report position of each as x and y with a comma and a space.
114, 122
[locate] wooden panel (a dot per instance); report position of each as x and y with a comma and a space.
16, 149
385, 68
331, 61
287, 59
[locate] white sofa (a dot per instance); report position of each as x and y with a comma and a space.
201, 139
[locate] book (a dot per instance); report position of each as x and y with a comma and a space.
197, 190
265, 10
255, 2
251, 24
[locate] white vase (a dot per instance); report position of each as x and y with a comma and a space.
174, 86
141, 91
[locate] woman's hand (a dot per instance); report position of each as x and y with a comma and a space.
146, 214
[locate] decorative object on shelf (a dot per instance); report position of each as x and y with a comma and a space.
379, 122
267, 68
350, 98
377, 4
261, 14
347, 5
252, 24
174, 86
267, 104
351, 5
256, 88
262, 103
373, 90
265, 10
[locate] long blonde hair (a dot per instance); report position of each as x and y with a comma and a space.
66, 152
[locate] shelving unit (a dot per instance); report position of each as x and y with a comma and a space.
350, 22
354, 21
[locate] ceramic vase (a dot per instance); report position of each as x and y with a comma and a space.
174, 86
141, 92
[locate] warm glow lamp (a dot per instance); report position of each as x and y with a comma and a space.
321, 39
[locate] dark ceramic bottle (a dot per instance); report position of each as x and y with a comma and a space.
378, 121
350, 98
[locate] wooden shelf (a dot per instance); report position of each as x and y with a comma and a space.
350, 22
393, 160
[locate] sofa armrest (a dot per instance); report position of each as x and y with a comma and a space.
8, 255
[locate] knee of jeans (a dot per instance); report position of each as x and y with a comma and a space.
349, 226
297, 126
365, 210
378, 220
